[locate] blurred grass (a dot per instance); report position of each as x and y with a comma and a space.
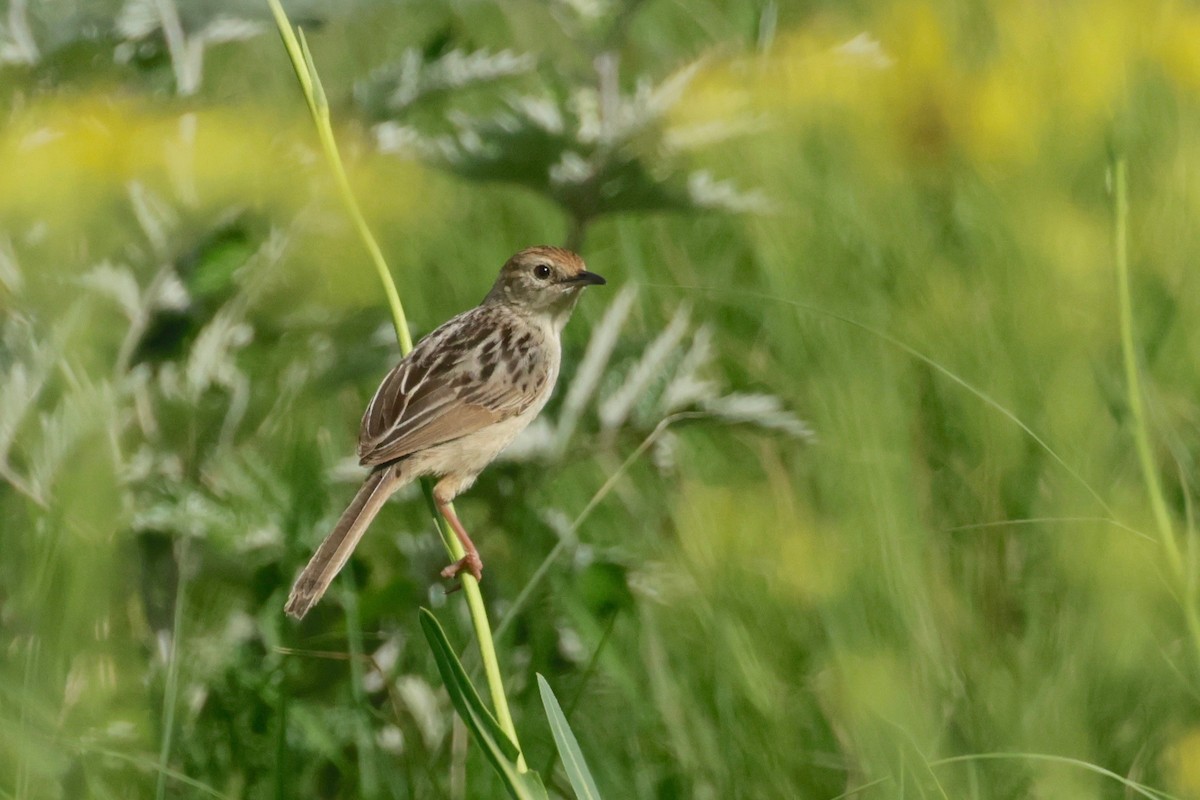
903, 604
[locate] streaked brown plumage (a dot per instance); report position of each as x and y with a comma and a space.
459, 398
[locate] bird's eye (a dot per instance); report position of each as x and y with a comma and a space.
541, 271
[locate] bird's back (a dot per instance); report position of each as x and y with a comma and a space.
481, 368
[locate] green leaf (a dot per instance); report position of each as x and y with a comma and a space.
462, 692
568, 747
208, 266
497, 747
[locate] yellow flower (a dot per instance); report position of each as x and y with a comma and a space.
1183, 764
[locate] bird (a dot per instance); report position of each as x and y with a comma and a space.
450, 406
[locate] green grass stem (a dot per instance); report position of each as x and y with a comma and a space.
1134, 787
368, 761
314, 96
1184, 582
171, 685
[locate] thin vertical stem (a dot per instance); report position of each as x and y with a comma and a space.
368, 766
171, 683
314, 96
1141, 435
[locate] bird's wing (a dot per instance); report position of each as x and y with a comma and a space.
472, 372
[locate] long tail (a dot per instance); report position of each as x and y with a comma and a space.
335, 551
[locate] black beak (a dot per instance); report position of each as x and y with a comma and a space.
586, 278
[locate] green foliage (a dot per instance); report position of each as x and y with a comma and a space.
843, 494
501, 753
568, 748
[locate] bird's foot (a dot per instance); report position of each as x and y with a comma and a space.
470, 562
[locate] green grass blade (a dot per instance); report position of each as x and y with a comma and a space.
171, 685
1131, 786
568, 747
462, 692
320, 101
295, 54
318, 106
369, 776
1133, 384
1135, 394
497, 746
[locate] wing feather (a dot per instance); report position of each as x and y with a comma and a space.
453, 384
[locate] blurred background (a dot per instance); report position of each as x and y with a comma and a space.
874, 521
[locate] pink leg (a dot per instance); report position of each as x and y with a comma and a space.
471, 561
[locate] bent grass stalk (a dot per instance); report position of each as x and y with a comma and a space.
1184, 582
318, 106
568, 537
1132, 786
171, 684
899, 344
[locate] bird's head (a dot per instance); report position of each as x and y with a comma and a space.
543, 280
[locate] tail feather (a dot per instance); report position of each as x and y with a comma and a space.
335, 551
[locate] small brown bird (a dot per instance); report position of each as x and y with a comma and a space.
452, 404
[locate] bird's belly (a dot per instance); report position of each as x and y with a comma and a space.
468, 455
